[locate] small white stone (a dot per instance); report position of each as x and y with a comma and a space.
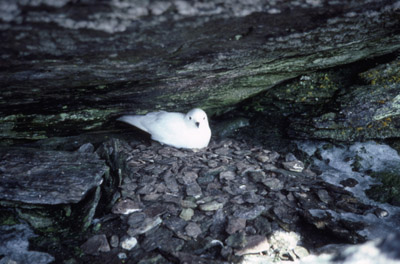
128, 243
186, 214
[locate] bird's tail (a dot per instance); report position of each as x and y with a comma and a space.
133, 120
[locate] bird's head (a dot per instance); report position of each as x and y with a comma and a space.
198, 117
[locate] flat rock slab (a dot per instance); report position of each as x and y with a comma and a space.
36, 176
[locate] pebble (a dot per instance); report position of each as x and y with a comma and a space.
250, 213
170, 182
262, 158
193, 230
237, 240
128, 243
114, 241
212, 164
323, 195
235, 224
211, 206
175, 224
186, 214
290, 157
136, 219
188, 203
257, 175
145, 226
255, 244
349, 182
193, 189
125, 206
96, 244
189, 177
296, 165
273, 184
381, 213
227, 175
226, 252
86, 148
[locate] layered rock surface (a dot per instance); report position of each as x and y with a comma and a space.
50, 189
69, 67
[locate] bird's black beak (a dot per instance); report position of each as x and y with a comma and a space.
197, 124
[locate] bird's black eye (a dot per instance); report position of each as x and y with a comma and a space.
190, 118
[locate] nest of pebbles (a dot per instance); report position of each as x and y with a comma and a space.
229, 203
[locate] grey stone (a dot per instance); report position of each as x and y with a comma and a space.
381, 213
145, 226
254, 245
251, 197
295, 165
250, 213
136, 219
162, 239
48, 177
14, 246
262, 158
114, 241
86, 148
95, 245
290, 157
170, 182
323, 195
235, 225
218, 222
186, 214
211, 206
273, 184
188, 203
175, 224
189, 177
250, 230
157, 259
193, 189
257, 175
237, 240
125, 206
226, 252
227, 175
263, 226
212, 164
193, 230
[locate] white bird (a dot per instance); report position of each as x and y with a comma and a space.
179, 130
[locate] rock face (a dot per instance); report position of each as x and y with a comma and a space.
352, 103
370, 110
69, 67
50, 188
14, 246
48, 177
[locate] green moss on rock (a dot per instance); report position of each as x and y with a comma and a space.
389, 189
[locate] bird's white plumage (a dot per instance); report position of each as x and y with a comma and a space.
179, 130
